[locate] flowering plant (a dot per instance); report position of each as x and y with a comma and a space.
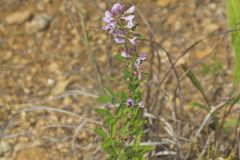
123, 128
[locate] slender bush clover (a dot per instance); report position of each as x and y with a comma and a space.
122, 129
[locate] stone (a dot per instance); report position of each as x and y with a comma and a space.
7, 56
18, 17
39, 23
32, 153
4, 147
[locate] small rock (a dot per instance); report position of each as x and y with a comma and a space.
32, 153
4, 147
60, 87
40, 7
163, 3
18, 17
47, 1
7, 56
50, 82
39, 23
3, 115
213, 6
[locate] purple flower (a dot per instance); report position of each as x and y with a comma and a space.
108, 17
118, 33
137, 63
130, 102
141, 105
140, 58
130, 10
125, 54
119, 40
128, 18
130, 24
110, 26
117, 8
115, 19
133, 40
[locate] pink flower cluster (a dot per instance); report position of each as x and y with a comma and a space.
119, 22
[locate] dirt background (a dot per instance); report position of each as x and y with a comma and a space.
44, 62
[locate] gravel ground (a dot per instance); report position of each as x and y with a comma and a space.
44, 62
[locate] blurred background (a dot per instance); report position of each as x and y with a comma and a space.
55, 60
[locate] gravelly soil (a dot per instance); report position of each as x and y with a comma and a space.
42, 56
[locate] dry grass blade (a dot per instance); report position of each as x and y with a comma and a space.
206, 119
166, 153
44, 108
89, 52
169, 129
153, 143
75, 92
80, 126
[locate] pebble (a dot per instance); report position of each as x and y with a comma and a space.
32, 153
50, 82
39, 23
7, 56
4, 147
18, 17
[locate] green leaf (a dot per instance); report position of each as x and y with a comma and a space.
230, 124
110, 78
198, 105
103, 112
125, 130
100, 132
216, 67
122, 96
232, 101
104, 99
195, 81
126, 73
107, 146
120, 111
132, 87
107, 142
233, 13
205, 69
119, 58
140, 37
193, 78
129, 152
109, 121
113, 130
146, 149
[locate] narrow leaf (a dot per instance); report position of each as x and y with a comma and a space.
233, 13
109, 121
195, 82
199, 105
104, 99
146, 149
103, 112
230, 124
100, 132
